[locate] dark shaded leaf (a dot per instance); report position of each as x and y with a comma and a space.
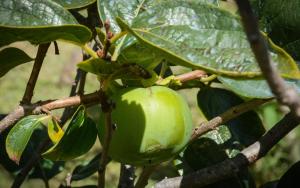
282, 21
38, 21
47, 169
84, 171
18, 137
10, 58
291, 177
246, 128
272, 184
79, 137
212, 148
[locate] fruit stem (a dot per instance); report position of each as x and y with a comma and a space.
209, 79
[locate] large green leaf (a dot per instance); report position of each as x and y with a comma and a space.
128, 10
247, 128
38, 21
10, 58
79, 137
74, 4
282, 21
18, 137
254, 88
197, 35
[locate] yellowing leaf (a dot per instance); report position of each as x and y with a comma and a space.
54, 131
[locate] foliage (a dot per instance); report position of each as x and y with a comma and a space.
142, 43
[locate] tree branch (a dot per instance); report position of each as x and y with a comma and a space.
226, 116
285, 95
41, 54
37, 108
106, 107
144, 177
127, 176
230, 167
196, 74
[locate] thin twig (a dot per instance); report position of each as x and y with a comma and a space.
127, 176
106, 108
41, 54
196, 74
144, 177
230, 167
226, 116
285, 95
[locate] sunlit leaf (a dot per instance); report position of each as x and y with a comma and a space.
202, 36
74, 4
38, 21
54, 131
18, 137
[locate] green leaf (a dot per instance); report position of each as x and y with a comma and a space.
86, 170
254, 88
98, 66
74, 4
10, 58
282, 21
79, 137
247, 128
39, 21
18, 137
213, 41
125, 9
101, 67
55, 132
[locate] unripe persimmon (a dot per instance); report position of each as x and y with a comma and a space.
152, 125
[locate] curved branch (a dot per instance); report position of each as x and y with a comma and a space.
226, 116
40, 107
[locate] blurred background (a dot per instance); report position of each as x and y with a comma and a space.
55, 81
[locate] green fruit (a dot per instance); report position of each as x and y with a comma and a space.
152, 125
